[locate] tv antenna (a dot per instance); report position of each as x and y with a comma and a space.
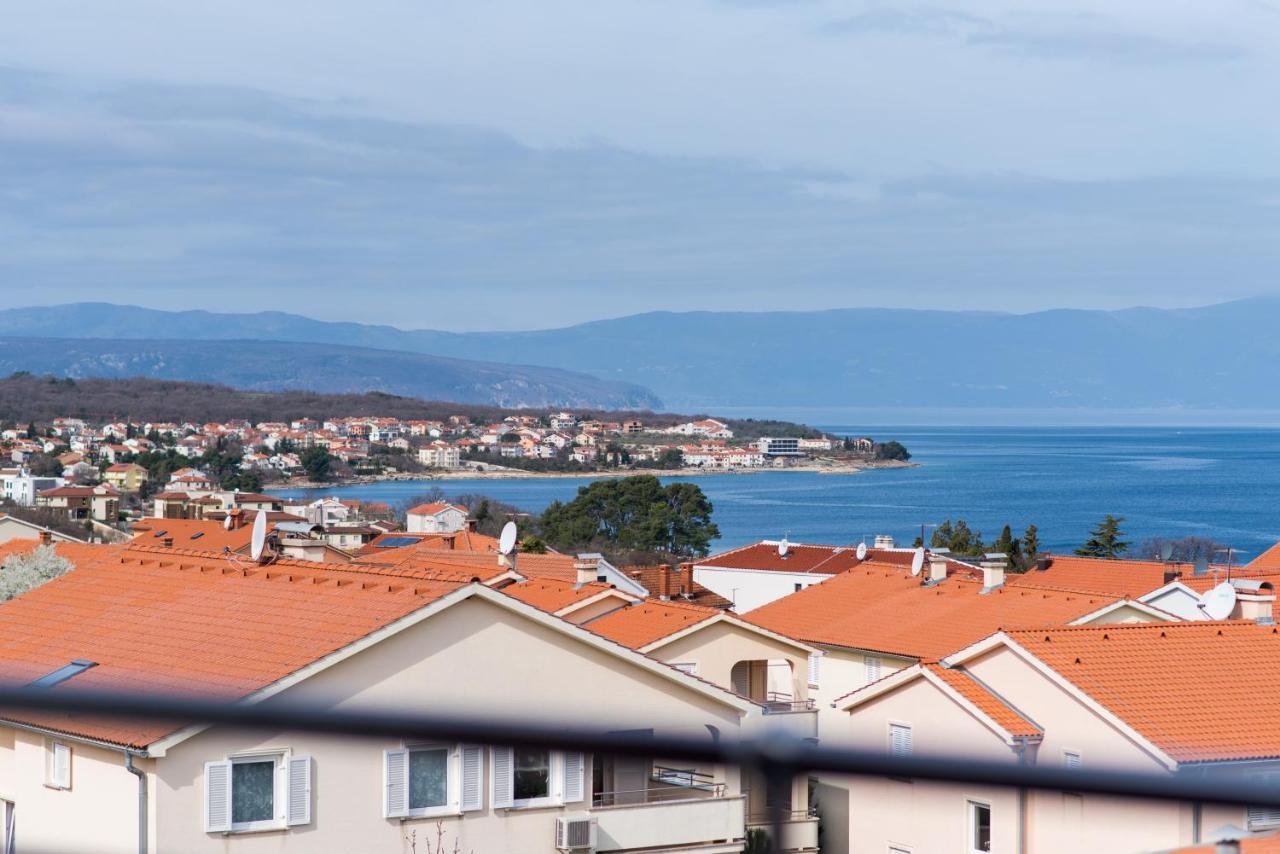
1230, 553
1218, 603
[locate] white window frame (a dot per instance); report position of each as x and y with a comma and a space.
971, 824
555, 784
1071, 759
279, 793
872, 668
896, 725
453, 781
52, 779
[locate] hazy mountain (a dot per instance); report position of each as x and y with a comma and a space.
1218, 356
274, 365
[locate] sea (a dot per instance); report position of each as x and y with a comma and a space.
1221, 483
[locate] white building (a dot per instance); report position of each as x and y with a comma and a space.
437, 517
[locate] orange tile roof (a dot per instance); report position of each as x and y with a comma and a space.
484, 564
1132, 578
1269, 844
553, 594
433, 507
198, 534
651, 620
822, 559
467, 541
1270, 559
882, 609
649, 577
172, 620
993, 706
1200, 691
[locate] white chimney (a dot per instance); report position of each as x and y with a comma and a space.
992, 577
884, 541
937, 567
588, 570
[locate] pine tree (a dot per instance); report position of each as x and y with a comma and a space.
1031, 543
1106, 540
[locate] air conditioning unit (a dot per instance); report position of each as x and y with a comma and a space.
576, 833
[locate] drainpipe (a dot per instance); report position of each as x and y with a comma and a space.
1020, 747
142, 800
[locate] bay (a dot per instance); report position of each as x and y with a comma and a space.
1218, 483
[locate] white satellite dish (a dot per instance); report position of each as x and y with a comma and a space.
259, 535
1219, 602
783, 547
507, 541
917, 561
862, 551
227, 522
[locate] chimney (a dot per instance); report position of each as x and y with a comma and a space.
937, 568
1171, 575
686, 570
1043, 563
992, 578
664, 584
588, 570
167, 542
884, 541
1256, 603
471, 525
46, 537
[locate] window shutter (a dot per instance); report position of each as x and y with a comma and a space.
573, 777
1070, 759
503, 777
814, 660
472, 777
873, 669
61, 765
298, 800
395, 778
217, 797
900, 739
1262, 818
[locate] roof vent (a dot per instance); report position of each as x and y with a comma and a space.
1043, 563
62, 674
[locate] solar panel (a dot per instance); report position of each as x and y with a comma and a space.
396, 542
62, 674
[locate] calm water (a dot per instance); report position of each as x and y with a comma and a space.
1169, 482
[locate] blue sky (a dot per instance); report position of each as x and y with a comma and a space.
484, 164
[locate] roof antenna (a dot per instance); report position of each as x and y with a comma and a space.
783, 547
507, 546
264, 548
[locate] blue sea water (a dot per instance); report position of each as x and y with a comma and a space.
1219, 483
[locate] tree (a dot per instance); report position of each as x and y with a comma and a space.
1031, 543
1106, 541
1182, 550
317, 463
958, 538
890, 451
23, 572
634, 513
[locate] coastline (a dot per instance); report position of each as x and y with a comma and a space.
484, 471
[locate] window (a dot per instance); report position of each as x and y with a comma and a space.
900, 739
872, 665
979, 827
898, 849
798, 587
260, 791
57, 765
532, 775
690, 667
815, 662
432, 780
1070, 759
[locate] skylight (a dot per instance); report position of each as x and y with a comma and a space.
62, 674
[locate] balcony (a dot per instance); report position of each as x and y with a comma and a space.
679, 808
798, 718
797, 831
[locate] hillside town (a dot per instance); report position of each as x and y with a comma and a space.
111, 472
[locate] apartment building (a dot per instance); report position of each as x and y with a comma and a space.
436, 517
1175, 698
150, 619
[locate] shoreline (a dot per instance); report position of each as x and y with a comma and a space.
489, 472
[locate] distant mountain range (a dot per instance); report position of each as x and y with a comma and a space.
322, 367
1222, 355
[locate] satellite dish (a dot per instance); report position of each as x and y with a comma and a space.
259, 535
227, 522
783, 547
507, 541
917, 561
1219, 602
862, 551
1201, 566
1166, 552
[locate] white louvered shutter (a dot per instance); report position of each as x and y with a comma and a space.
1070, 759
298, 795
900, 739
574, 773
1262, 818
873, 669
395, 783
815, 660
61, 765
217, 797
472, 777
504, 777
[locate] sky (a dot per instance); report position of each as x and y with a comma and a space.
503, 165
